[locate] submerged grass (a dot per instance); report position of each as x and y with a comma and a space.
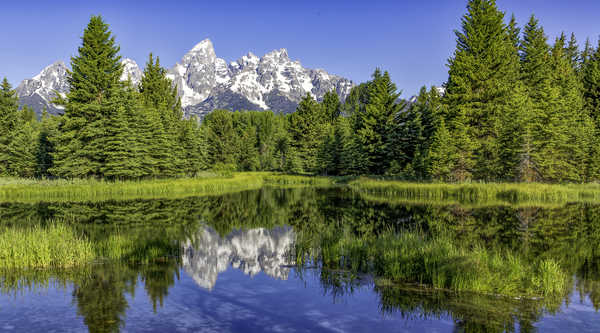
479, 193
440, 263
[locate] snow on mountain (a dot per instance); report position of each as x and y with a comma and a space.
132, 71
39, 91
251, 251
206, 82
272, 82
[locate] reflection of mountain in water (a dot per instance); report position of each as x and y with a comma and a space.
251, 251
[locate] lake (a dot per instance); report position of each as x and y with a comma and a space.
308, 260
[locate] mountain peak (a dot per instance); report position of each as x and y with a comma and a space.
205, 45
281, 53
131, 70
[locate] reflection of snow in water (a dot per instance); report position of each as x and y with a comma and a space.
250, 251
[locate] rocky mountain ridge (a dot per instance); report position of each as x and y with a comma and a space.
206, 82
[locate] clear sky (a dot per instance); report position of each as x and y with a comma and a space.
410, 39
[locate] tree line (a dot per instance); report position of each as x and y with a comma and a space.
514, 108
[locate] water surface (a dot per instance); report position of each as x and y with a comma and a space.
302, 260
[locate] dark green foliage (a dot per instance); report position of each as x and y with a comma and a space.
514, 109
482, 75
9, 122
93, 81
591, 81
307, 129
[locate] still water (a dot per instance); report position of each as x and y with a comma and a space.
308, 260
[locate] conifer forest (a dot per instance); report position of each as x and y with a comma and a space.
516, 107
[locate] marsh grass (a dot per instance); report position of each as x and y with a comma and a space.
52, 246
439, 263
25, 190
479, 193
91, 190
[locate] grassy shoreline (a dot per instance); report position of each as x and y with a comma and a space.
477, 193
33, 190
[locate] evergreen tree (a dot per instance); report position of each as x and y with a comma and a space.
9, 122
482, 75
441, 156
308, 128
551, 119
160, 96
331, 105
21, 151
591, 81
45, 148
376, 125
122, 158
96, 71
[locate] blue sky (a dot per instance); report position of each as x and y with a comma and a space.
410, 39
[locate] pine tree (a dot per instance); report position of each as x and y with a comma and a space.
9, 122
376, 125
307, 128
331, 105
160, 96
21, 152
441, 155
551, 118
570, 106
96, 71
482, 75
591, 81
122, 157
45, 148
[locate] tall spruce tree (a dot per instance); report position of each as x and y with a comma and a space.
591, 81
376, 125
308, 127
551, 144
96, 71
482, 76
160, 97
10, 121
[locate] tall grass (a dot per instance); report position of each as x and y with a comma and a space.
53, 246
438, 262
84, 190
469, 193
99, 190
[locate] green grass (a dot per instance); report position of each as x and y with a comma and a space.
478, 193
439, 263
53, 246
79, 190
86, 190
24, 190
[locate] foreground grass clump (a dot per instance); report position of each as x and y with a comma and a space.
465, 193
53, 246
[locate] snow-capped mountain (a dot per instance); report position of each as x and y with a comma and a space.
39, 91
251, 251
206, 82
272, 82
131, 71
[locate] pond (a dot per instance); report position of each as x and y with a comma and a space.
307, 260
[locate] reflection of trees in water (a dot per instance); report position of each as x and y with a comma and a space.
151, 231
